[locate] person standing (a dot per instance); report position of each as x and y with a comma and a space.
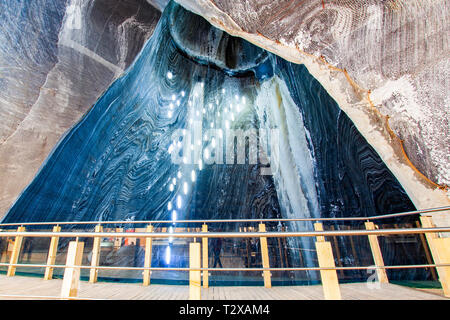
217, 248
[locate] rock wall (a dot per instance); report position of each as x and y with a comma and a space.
56, 58
386, 64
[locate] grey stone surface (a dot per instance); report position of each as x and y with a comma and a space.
398, 49
56, 59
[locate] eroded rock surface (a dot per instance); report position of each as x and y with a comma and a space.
397, 49
56, 59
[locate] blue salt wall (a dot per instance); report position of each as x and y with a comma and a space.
117, 162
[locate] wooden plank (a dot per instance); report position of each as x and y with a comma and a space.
376, 253
205, 258
52, 251
148, 257
194, 276
442, 246
71, 278
329, 278
427, 222
95, 256
318, 226
427, 252
15, 253
265, 257
338, 253
20, 285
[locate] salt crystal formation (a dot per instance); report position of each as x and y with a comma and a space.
56, 59
156, 145
397, 49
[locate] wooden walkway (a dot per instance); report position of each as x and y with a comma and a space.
12, 288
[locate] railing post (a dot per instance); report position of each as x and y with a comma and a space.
148, 257
52, 254
194, 276
118, 241
15, 253
95, 260
442, 246
330, 283
376, 253
440, 253
71, 280
265, 257
205, 257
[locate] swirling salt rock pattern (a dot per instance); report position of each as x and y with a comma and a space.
56, 58
118, 163
397, 48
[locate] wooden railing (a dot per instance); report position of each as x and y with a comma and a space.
198, 251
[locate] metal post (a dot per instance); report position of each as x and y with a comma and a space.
52, 254
148, 257
95, 255
15, 253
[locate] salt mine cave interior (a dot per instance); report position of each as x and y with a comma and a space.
172, 118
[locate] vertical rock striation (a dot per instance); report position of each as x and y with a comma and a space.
56, 58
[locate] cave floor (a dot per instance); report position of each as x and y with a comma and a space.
17, 287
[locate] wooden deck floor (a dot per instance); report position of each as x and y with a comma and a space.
36, 288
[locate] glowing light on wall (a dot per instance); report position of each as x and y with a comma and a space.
167, 256
179, 202
174, 215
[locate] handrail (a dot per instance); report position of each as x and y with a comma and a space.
411, 266
272, 234
198, 268
387, 216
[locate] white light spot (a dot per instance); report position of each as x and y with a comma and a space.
169, 206
174, 215
179, 203
193, 175
168, 254
185, 188
169, 75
